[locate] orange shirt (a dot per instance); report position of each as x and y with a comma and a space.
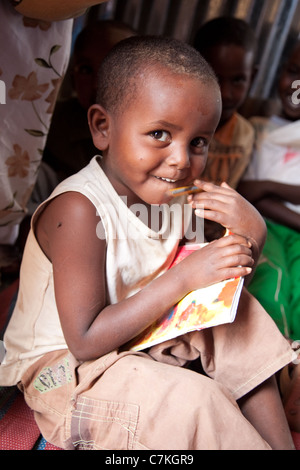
230, 152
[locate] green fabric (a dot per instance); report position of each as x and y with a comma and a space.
276, 282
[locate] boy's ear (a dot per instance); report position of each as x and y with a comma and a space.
98, 120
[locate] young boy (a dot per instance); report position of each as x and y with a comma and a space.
229, 45
89, 285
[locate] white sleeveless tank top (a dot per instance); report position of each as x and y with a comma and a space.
136, 254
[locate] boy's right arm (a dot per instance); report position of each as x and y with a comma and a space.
66, 231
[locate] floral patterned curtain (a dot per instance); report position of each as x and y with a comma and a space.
33, 59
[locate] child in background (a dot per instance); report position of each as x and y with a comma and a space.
229, 46
94, 276
69, 145
272, 184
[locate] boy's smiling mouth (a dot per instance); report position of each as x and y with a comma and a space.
168, 180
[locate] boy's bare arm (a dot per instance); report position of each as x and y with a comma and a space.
54, 10
66, 232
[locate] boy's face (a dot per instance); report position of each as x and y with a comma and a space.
234, 69
160, 141
290, 74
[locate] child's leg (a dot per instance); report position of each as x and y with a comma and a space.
131, 402
258, 407
242, 356
290, 390
142, 404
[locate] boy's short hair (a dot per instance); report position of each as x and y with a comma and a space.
136, 57
225, 30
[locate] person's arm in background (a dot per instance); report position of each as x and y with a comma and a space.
269, 196
53, 10
275, 210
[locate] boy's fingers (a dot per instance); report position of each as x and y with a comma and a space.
233, 240
215, 216
208, 186
211, 193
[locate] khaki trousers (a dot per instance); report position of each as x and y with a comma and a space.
141, 401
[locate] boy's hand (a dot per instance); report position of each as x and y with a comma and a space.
226, 258
224, 205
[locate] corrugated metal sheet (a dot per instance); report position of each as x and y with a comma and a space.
276, 23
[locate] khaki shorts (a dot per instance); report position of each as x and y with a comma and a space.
141, 401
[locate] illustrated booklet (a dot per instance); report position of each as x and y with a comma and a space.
203, 308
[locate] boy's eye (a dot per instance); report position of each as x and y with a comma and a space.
162, 136
199, 142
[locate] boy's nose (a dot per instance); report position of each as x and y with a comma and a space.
180, 158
